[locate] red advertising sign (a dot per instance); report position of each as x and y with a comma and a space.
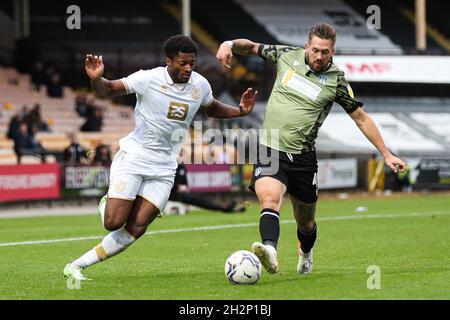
209, 177
29, 182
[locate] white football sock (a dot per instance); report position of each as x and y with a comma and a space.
114, 243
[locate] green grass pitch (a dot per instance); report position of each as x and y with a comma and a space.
407, 237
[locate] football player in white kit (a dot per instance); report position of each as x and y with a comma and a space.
143, 170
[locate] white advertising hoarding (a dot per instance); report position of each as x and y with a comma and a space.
406, 69
337, 173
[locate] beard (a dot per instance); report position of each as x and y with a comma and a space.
317, 66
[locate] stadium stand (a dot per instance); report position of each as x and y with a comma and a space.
128, 34
436, 122
437, 12
398, 21
289, 22
7, 38
16, 91
215, 17
103, 23
399, 136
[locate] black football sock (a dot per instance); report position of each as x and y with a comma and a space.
307, 239
269, 227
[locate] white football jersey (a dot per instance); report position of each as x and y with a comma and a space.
163, 113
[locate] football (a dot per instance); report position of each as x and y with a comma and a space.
243, 267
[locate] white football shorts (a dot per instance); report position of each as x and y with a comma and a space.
132, 176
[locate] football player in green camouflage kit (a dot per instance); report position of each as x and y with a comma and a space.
307, 84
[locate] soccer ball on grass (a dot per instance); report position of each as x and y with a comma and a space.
243, 267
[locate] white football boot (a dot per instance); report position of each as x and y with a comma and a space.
305, 261
267, 255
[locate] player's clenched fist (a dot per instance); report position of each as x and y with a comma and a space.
225, 55
94, 66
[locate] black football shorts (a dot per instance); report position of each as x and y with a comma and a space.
298, 172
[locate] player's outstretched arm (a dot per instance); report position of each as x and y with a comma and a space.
103, 87
366, 124
240, 46
220, 110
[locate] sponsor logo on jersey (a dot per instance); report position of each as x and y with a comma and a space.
322, 79
178, 111
301, 84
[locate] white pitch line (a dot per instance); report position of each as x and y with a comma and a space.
240, 225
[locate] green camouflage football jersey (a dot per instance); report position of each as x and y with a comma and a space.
301, 99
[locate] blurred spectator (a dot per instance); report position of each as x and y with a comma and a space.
34, 119
75, 153
94, 120
25, 144
38, 76
16, 120
81, 105
102, 155
54, 86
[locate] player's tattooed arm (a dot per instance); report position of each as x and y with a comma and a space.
245, 47
240, 46
220, 110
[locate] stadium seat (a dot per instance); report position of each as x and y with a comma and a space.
289, 22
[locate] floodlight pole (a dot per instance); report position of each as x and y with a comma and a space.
21, 13
26, 18
421, 25
186, 18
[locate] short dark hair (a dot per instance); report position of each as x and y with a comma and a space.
322, 30
179, 43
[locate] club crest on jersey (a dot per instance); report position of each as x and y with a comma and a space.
322, 79
164, 88
195, 93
